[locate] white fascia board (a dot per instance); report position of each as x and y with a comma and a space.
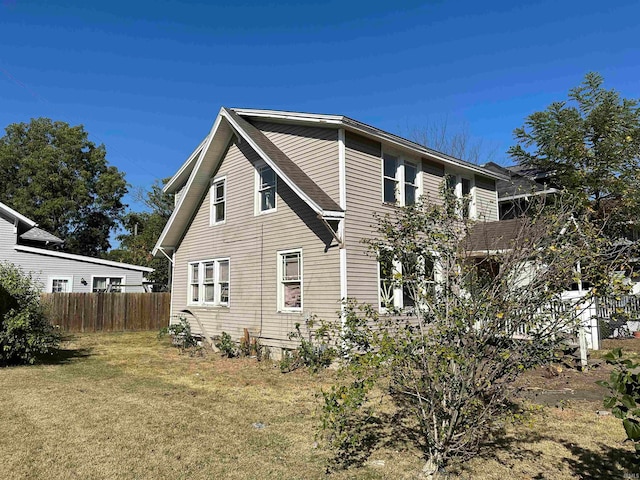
187, 187
314, 206
81, 258
171, 186
11, 212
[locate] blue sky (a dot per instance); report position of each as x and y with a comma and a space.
147, 78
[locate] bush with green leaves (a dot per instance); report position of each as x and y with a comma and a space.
181, 335
25, 331
438, 370
315, 349
227, 346
624, 393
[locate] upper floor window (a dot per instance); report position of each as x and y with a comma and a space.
290, 280
463, 189
209, 282
266, 189
218, 200
400, 183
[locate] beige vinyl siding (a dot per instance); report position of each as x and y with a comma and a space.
364, 198
486, 199
251, 243
313, 149
432, 178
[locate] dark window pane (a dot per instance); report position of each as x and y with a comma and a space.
268, 199
389, 191
409, 173
409, 194
390, 166
219, 212
466, 186
268, 177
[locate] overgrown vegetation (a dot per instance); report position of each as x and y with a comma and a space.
25, 330
180, 334
315, 349
463, 320
624, 393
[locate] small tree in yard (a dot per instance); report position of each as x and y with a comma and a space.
25, 331
477, 320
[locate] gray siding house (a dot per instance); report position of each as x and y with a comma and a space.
271, 209
22, 242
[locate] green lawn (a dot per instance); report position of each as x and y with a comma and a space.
129, 406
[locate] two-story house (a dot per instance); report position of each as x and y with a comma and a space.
271, 209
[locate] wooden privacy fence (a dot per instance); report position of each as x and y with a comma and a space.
108, 312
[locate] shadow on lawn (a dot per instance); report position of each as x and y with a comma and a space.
62, 356
603, 462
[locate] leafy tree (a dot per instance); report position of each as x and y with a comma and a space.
592, 143
25, 331
142, 230
439, 376
52, 173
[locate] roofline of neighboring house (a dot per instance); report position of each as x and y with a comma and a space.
368, 130
530, 194
82, 258
10, 211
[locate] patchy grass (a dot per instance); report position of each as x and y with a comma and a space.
122, 406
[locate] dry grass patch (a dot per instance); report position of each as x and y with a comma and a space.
122, 406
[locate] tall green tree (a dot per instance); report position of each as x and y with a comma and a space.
141, 231
51, 172
591, 141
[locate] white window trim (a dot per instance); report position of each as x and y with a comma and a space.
216, 282
123, 279
398, 294
60, 277
257, 197
473, 211
401, 161
212, 203
280, 286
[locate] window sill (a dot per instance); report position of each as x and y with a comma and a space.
214, 224
265, 212
290, 310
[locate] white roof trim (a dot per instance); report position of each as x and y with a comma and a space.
82, 258
368, 130
187, 187
314, 206
10, 211
170, 184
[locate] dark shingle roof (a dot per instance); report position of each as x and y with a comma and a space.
522, 180
500, 235
286, 165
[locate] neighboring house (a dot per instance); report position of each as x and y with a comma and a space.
515, 193
271, 210
23, 244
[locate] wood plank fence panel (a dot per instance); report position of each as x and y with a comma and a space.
108, 312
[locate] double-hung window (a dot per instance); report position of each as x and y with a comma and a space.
209, 282
463, 189
266, 189
218, 200
290, 280
400, 181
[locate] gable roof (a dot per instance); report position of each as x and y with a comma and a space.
195, 174
15, 216
38, 235
228, 123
